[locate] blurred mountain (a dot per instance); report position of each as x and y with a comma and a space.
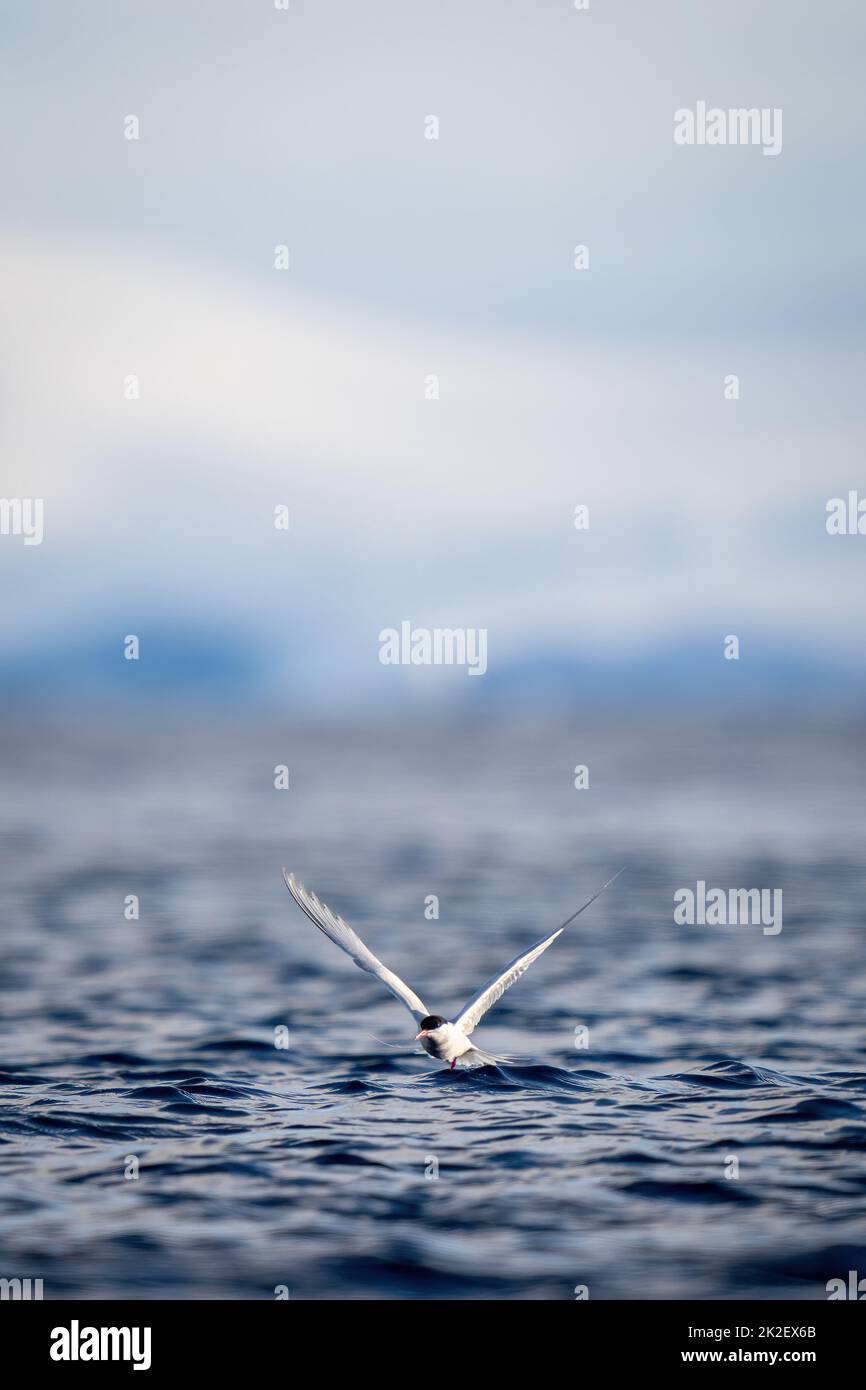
212, 667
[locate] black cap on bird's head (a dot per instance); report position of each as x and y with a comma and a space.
428, 1024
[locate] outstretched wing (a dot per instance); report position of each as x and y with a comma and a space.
495, 988
488, 994
342, 935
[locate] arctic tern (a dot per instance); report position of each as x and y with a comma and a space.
443, 1039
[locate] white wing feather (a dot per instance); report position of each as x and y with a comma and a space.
495, 988
349, 941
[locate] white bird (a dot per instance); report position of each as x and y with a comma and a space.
442, 1039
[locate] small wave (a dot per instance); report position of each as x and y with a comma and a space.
732, 1074
812, 1108
713, 1190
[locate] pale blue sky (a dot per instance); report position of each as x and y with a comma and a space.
409, 257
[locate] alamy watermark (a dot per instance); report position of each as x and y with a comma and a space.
438, 646
854, 1288
736, 126
729, 907
22, 516
20, 1289
846, 516
77, 1343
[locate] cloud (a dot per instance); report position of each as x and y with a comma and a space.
706, 515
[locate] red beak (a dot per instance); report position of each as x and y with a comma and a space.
423, 1034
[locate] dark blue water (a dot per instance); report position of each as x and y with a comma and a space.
342, 1168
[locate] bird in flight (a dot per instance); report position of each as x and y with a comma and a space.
446, 1040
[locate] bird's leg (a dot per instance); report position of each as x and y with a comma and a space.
453, 1063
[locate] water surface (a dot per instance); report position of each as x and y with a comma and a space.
342, 1168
